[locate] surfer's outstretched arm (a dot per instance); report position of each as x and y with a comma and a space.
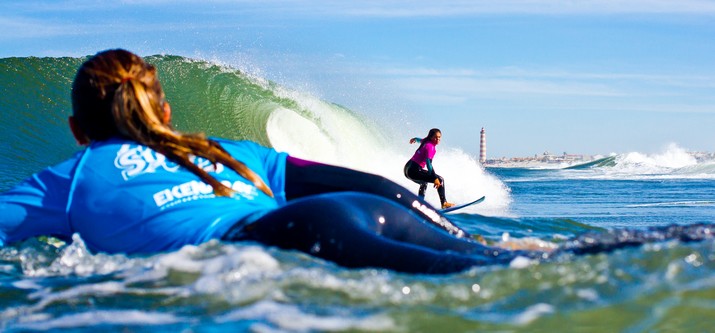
306, 178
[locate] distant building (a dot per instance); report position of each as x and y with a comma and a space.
483, 147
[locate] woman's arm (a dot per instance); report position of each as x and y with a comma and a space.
305, 178
429, 167
36, 206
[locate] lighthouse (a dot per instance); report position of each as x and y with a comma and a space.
483, 147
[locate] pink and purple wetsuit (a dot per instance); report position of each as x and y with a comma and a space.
419, 169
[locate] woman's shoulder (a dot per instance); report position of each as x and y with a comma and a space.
246, 147
430, 147
246, 144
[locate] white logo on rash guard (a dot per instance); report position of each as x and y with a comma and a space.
138, 160
195, 190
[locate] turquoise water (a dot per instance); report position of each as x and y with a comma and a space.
666, 286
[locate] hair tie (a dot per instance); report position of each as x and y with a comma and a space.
125, 79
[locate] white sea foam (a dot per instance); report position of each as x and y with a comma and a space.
76, 259
534, 312
291, 318
672, 158
673, 162
96, 318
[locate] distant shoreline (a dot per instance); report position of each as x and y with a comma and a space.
543, 161
550, 161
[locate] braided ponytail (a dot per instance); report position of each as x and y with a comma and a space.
116, 93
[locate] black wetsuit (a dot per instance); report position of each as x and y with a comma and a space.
357, 219
414, 172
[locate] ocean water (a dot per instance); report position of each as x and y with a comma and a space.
656, 285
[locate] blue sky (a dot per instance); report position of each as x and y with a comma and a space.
591, 77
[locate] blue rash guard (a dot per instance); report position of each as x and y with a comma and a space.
122, 197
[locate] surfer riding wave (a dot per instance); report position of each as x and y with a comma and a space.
419, 168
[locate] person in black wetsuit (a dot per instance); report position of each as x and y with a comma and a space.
419, 168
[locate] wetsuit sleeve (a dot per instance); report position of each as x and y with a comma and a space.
305, 178
430, 152
37, 206
429, 166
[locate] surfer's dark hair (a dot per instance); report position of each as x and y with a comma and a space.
117, 94
429, 137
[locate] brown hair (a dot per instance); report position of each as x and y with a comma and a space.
429, 137
117, 94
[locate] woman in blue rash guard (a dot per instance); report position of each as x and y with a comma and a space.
142, 187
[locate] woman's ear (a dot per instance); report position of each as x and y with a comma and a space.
167, 113
78, 133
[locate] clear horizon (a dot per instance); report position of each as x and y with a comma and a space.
588, 77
